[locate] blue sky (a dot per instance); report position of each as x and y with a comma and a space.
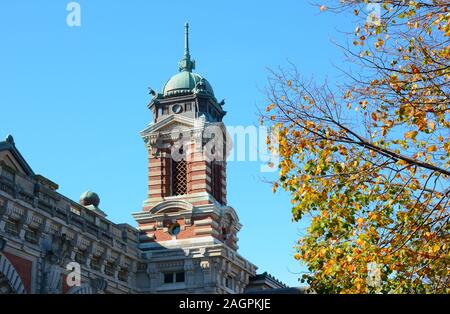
75, 98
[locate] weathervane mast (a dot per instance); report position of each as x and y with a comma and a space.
186, 64
186, 39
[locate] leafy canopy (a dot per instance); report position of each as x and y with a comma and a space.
367, 162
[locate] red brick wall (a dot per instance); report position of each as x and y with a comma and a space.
65, 287
23, 268
188, 232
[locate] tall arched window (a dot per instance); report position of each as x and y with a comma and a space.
179, 177
216, 173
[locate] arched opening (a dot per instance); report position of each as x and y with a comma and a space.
10, 281
5, 286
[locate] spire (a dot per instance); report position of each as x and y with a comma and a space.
186, 39
186, 64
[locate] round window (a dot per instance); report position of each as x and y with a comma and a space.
174, 229
177, 108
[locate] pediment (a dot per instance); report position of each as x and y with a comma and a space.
11, 158
172, 123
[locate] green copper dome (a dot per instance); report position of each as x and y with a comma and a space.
186, 82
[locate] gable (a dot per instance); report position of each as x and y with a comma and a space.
170, 123
7, 159
11, 158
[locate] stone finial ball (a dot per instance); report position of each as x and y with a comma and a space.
89, 198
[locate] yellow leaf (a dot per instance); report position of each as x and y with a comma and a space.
411, 134
363, 104
270, 107
432, 148
436, 247
432, 125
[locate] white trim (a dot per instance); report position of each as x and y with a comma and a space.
206, 240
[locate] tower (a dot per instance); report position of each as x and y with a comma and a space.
186, 209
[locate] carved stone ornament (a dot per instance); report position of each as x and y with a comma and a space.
99, 285
204, 265
153, 142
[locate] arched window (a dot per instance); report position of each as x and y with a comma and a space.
10, 281
5, 286
179, 177
216, 173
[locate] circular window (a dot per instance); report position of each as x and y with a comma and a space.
174, 229
177, 108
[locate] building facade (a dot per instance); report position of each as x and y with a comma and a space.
186, 237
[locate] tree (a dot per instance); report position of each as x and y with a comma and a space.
368, 161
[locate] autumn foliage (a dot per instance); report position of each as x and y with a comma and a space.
368, 161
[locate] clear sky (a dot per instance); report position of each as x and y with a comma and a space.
74, 98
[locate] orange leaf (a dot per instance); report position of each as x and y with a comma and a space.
432, 148
415, 69
411, 134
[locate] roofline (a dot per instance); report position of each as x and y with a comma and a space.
269, 278
9, 145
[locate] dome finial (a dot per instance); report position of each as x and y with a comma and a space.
89, 198
186, 39
186, 64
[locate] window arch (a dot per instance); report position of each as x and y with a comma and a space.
10, 281
216, 180
179, 177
